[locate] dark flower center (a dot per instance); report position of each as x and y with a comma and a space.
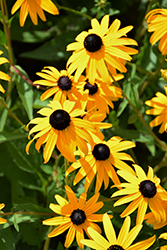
101, 152
59, 119
65, 83
78, 217
147, 188
93, 43
115, 247
92, 88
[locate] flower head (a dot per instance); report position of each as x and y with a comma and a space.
98, 96
34, 8
61, 126
156, 20
2, 220
159, 107
142, 191
77, 216
62, 85
3, 75
122, 242
101, 160
101, 50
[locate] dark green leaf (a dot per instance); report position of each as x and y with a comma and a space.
25, 91
6, 136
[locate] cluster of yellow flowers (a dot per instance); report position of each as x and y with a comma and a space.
82, 95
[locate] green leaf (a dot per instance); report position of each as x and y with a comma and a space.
45, 52
4, 115
15, 222
124, 103
7, 240
25, 91
19, 158
2, 38
132, 118
6, 136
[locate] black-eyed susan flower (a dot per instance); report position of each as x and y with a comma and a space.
98, 96
152, 220
100, 50
156, 20
122, 242
101, 160
61, 84
34, 8
76, 215
61, 126
159, 108
2, 220
142, 191
3, 75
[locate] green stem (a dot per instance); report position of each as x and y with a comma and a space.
139, 69
151, 132
9, 44
66, 167
13, 115
117, 84
161, 164
141, 118
73, 11
47, 241
26, 79
27, 213
152, 77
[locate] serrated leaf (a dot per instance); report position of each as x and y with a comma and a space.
5, 136
25, 91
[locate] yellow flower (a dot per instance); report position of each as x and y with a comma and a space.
151, 219
122, 242
98, 96
100, 50
156, 20
62, 127
159, 107
62, 83
2, 221
3, 75
142, 191
77, 216
34, 8
100, 160
164, 74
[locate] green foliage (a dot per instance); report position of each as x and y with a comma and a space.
28, 185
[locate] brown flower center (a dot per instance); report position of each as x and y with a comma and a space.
147, 189
78, 217
65, 83
92, 88
60, 119
101, 152
93, 43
